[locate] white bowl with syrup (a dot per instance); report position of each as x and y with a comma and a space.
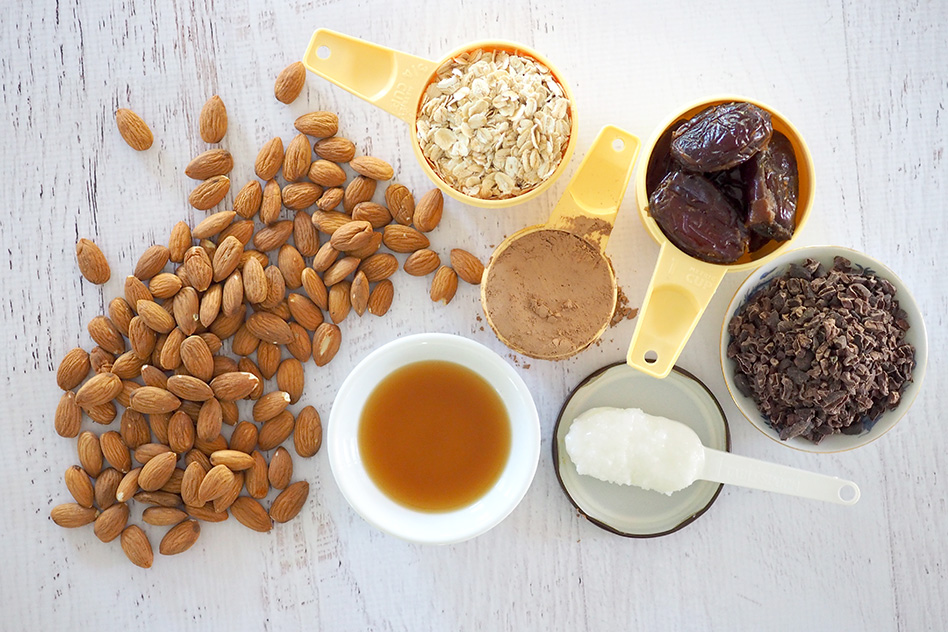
431, 527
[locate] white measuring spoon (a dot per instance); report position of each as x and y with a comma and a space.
667, 455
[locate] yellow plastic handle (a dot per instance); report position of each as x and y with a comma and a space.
680, 290
588, 207
388, 78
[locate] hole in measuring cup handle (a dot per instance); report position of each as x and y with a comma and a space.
848, 492
618, 144
651, 357
323, 52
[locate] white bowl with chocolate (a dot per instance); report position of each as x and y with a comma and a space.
433, 438
823, 349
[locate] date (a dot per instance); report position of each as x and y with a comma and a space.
771, 185
721, 137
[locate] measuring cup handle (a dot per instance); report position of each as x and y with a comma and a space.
677, 295
733, 469
388, 78
589, 206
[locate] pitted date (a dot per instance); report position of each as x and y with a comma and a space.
771, 185
698, 218
721, 137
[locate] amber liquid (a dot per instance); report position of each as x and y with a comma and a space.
434, 436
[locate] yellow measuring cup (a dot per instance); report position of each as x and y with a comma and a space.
584, 214
396, 82
681, 285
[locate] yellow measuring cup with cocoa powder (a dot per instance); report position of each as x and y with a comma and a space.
549, 291
396, 82
682, 286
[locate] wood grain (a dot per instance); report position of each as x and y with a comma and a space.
864, 82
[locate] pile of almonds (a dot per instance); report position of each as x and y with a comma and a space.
161, 351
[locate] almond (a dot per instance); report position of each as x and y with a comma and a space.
375, 214
213, 343
271, 203
180, 538
304, 311
124, 398
290, 378
223, 502
173, 484
361, 189
213, 162
209, 193
359, 293
331, 198
68, 418
276, 290
269, 159
380, 300
115, 451
147, 451
212, 123
281, 469
340, 301
226, 325
165, 285
268, 359
197, 358
136, 291
375, 242
102, 414
121, 314
226, 258
244, 437
308, 433
196, 456
111, 522
232, 296
327, 174
235, 460
319, 124
403, 239
106, 487
92, 263
209, 421
163, 516
326, 342
300, 195
213, 224
199, 271
215, 483
136, 546
180, 432
128, 366
206, 513
335, 149
190, 388
297, 158
155, 317
291, 264
128, 486
248, 199
233, 386
241, 229
351, 236
211, 303
444, 285
301, 348
170, 356
244, 343
106, 334
372, 167
340, 270
191, 482
72, 515
288, 504
269, 328
422, 262
269, 406
329, 222
149, 399
251, 514
73, 368
79, 485
187, 313
255, 281
152, 261
161, 499
305, 234
99, 389
133, 129
467, 266
134, 429
273, 236
100, 360
428, 211
178, 243
289, 83
156, 472
315, 288
276, 430
379, 266
255, 478
400, 203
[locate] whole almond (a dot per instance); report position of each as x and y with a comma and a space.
247, 365
79, 485
136, 546
134, 429
68, 418
305, 235
136, 291
128, 486
178, 243
422, 262
359, 293
206, 513
102, 414
190, 388
290, 378
99, 389
379, 266
241, 229
467, 266
73, 368
372, 167
327, 174
248, 199
165, 285
147, 451
276, 290
72, 515
319, 124
268, 359
300, 195
160, 499
270, 159
133, 129
304, 311
209, 193
213, 224
351, 236
232, 296
289, 83
361, 189
269, 328
106, 487
173, 485
106, 334
115, 451
340, 270
255, 478
326, 342
198, 268
280, 472
213, 162
380, 300
209, 421
180, 538
329, 222
212, 123
244, 437
223, 502
276, 430
398, 238
191, 482
226, 258
315, 288
197, 358
121, 314
187, 312
157, 471
170, 356
335, 149
128, 366
271, 203
152, 261
215, 483
149, 399
340, 301
163, 516
269, 406
111, 522
100, 360
400, 203
251, 514
273, 236
288, 504
428, 211
291, 264
244, 343
213, 343
92, 263
375, 214
155, 317
255, 281
233, 386
297, 158
226, 325
331, 198
308, 433
235, 460
444, 285
302, 347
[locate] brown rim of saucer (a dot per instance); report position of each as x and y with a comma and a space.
601, 524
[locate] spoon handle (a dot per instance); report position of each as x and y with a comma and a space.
733, 469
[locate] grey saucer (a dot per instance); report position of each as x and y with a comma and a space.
631, 511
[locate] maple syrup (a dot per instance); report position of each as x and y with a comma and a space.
434, 436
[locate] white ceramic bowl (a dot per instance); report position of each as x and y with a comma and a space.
916, 335
417, 526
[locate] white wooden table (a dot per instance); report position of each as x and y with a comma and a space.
864, 82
